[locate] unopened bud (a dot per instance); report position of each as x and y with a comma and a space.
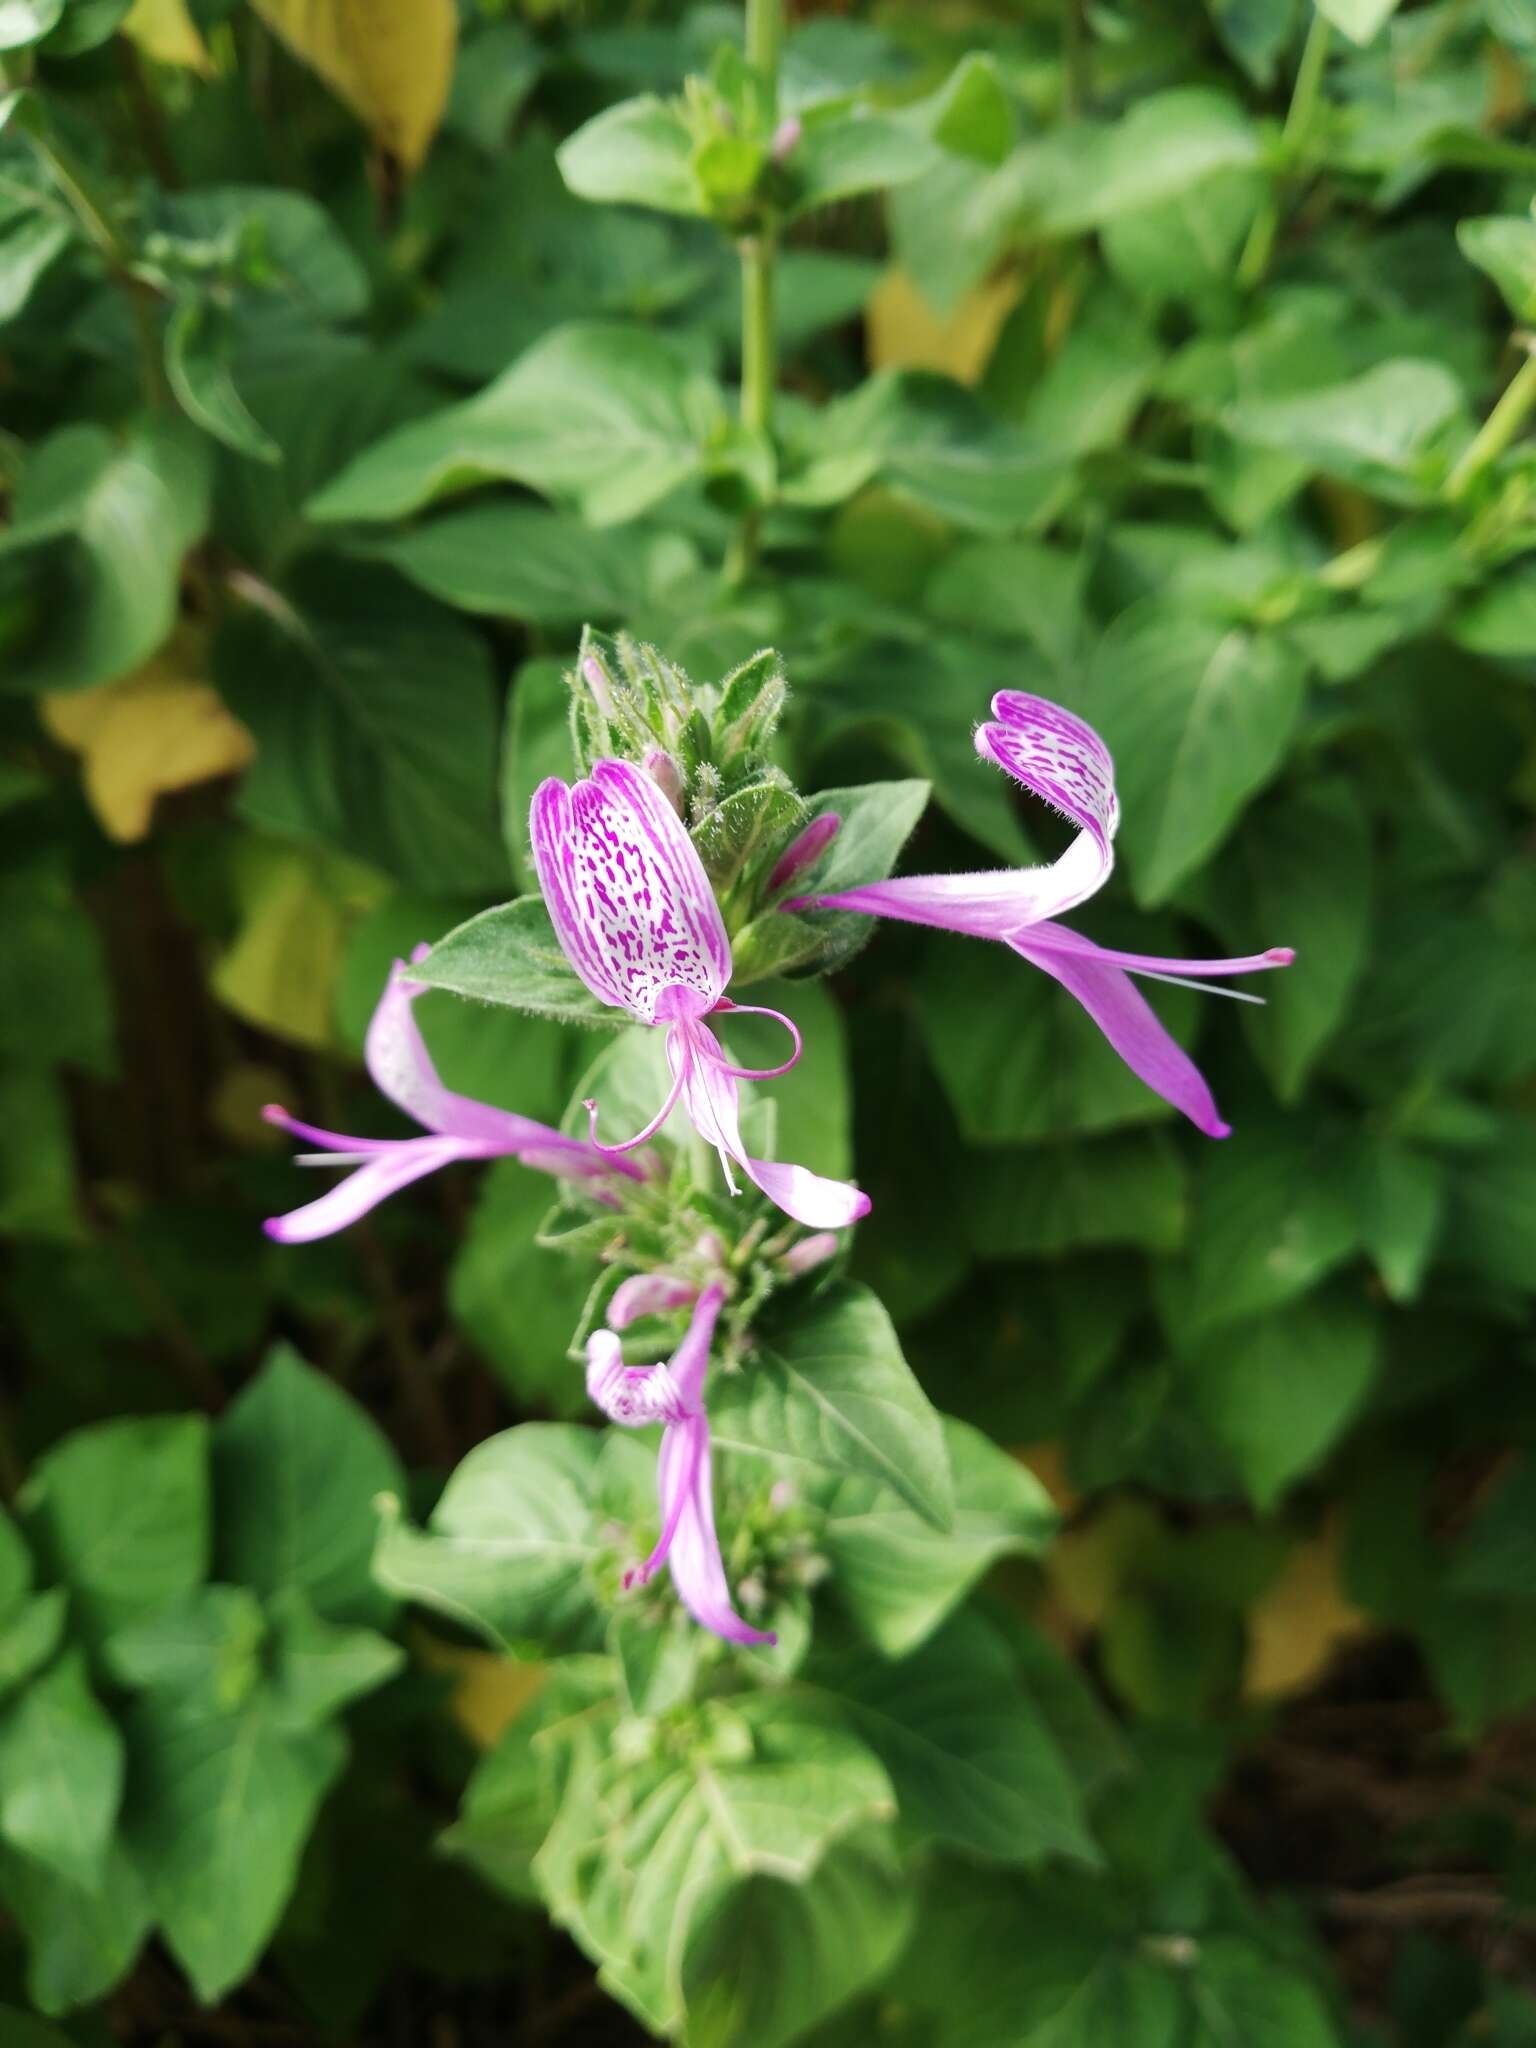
711, 1248
785, 137
782, 1496
666, 775
598, 684
804, 851
811, 1252
648, 1294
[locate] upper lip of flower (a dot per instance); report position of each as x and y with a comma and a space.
634, 912
1059, 758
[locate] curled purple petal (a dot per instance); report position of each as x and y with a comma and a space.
648, 1294
626, 891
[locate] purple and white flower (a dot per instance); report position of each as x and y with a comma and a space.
632, 908
673, 1394
1061, 759
458, 1127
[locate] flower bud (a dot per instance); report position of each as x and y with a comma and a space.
811, 1252
785, 138
597, 682
648, 1294
804, 851
666, 775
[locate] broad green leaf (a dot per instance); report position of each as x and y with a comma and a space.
97, 534
1361, 20
638, 153
208, 1646
848, 150
1128, 1187
34, 229
319, 1669
119, 1512
1019, 1059
1241, 1994
374, 719
1279, 1392
1275, 1211
1380, 430
1496, 1558
970, 1762
511, 1547
219, 1808
1299, 874
611, 418
296, 1466
61, 1774
1013, 588
272, 245
29, 1637
1402, 1206
896, 1575
771, 1958
510, 955
1198, 717
1504, 245
198, 341
527, 562
1085, 175
393, 73
80, 1941
833, 1391
768, 1790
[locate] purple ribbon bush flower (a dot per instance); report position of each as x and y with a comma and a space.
673, 1394
1061, 759
633, 909
458, 1127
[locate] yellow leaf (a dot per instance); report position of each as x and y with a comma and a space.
390, 60
906, 334
167, 34
295, 905
1299, 1620
490, 1691
159, 729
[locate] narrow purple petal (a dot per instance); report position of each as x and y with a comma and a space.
804, 851
1059, 939
626, 891
648, 1294
408, 1159
778, 1016
1122, 1013
697, 1569
328, 1141
690, 1361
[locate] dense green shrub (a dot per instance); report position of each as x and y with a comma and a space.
1148, 1524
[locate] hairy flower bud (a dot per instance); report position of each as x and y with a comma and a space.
785, 138
804, 851
811, 1252
666, 775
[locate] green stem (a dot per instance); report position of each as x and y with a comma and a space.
765, 35
1497, 431
1074, 59
759, 253
1254, 260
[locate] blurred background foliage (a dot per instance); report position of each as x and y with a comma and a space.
1168, 359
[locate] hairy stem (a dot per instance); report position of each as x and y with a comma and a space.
1497, 431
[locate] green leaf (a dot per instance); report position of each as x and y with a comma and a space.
877, 819
970, 1762
34, 229
1042, 1200
527, 562
37, 1165
264, 242
848, 150
29, 1637
15, 1568
1278, 1393
511, 1546
1402, 1206
1361, 20
61, 1009
198, 341
519, 1306
79, 1942
1241, 1994
97, 533
611, 418
510, 955
1504, 245
834, 1392
1198, 717
1496, 1558
119, 1512
375, 724
898, 1577
27, 21
220, 1805
296, 1467
61, 1774
208, 1646
1084, 175
23, 2030
1379, 430
638, 153
319, 1669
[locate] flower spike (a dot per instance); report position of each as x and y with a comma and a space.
1059, 758
457, 1127
635, 915
673, 1394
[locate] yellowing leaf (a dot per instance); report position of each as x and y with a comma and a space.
1298, 1621
390, 60
167, 34
906, 334
490, 1692
280, 972
159, 729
